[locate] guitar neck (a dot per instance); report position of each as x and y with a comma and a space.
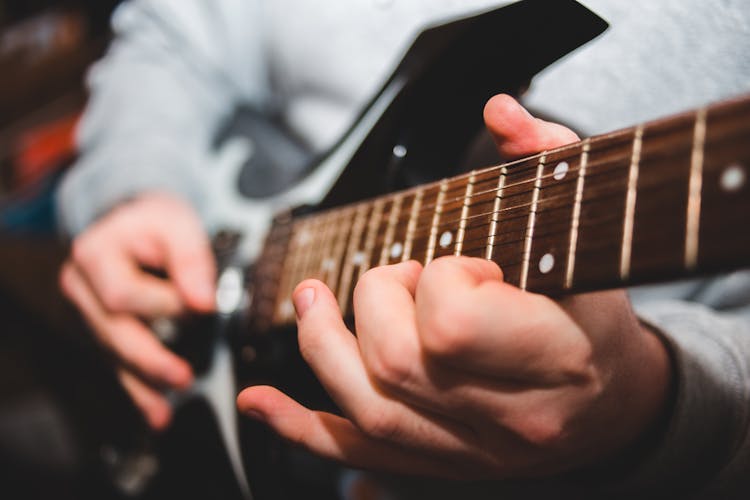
661, 200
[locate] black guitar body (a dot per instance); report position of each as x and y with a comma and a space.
451, 71
427, 131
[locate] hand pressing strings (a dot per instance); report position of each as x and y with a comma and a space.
454, 373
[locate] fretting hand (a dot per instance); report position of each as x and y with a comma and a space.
455, 373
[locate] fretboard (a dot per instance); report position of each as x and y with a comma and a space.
662, 200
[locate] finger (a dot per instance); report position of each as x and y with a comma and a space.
490, 327
121, 286
339, 439
516, 133
385, 314
333, 354
385, 319
190, 262
152, 404
126, 337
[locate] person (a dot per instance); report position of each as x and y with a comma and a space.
527, 386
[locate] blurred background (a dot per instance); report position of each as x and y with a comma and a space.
66, 428
45, 48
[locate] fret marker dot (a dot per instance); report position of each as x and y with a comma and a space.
328, 264
446, 239
546, 263
560, 170
396, 250
399, 151
358, 258
733, 178
304, 238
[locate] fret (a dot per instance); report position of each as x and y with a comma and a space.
284, 309
310, 260
553, 219
725, 197
694, 191
372, 230
435, 221
576, 217
603, 210
388, 249
267, 274
512, 218
422, 227
412, 225
465, 213
304, 234
328, 231
529, 237
450, 209
627, 233
495, 213
381, 230
343, 228
479, 211
397, 245
354, 256
660, 216
325, 261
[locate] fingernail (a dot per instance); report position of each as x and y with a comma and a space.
303, 300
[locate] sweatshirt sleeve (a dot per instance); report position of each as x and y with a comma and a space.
174, 72
706, 445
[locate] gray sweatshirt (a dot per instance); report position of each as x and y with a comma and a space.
178, 68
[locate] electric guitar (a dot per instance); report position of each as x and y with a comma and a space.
662, 200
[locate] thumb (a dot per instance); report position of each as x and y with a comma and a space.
516, 133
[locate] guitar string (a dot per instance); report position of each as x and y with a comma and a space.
574, 150
597, 168
541, 203
589, 225
507, 264
597, 144
429, 212
557, 285
608, 183
534, 159
520, 161
592, 168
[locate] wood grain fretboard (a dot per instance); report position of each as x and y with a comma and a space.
662, 200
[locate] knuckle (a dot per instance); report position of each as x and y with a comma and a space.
368, 282
442, 265
299, 435
115, 298
379, 425
371, 278
391, 369
448, 331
